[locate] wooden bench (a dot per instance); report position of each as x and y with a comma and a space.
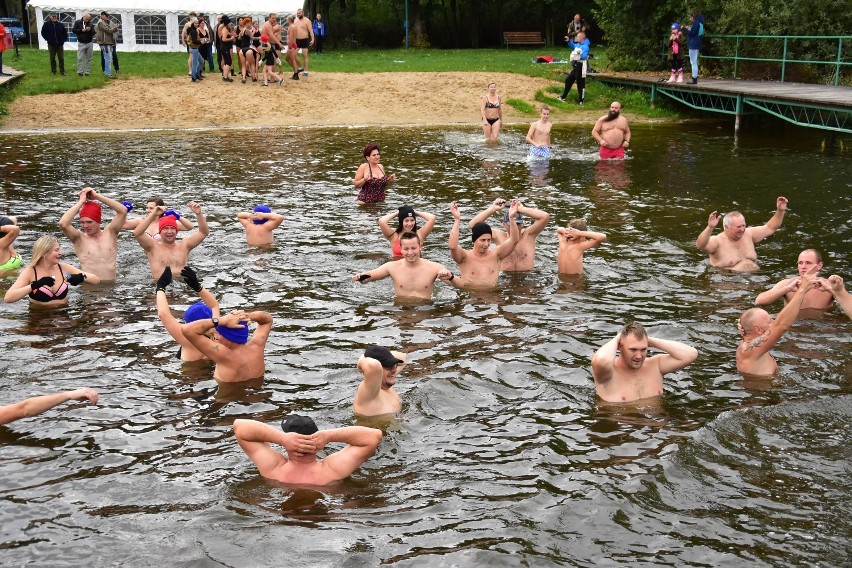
522, 38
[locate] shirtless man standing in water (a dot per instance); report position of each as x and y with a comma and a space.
96, 248
612, 133
237, 357
168, 251
634, 375
480, 266
523, 257
733, 248
304, 37
538, 136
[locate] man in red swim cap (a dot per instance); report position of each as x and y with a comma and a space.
96, 248
168, 251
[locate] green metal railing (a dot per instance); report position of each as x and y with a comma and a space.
838, 62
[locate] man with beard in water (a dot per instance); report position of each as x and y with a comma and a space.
375, 395
612, 133
634, 375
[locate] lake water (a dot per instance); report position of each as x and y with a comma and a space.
502, 455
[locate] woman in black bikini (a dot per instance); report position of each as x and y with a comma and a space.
46, 279
370, 178
248, 53
492, 113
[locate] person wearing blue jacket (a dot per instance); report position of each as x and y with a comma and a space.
320, 31
55, 34
579, 57
694, 32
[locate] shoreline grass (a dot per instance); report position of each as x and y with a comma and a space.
38, 80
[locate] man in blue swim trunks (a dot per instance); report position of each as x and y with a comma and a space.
539, 136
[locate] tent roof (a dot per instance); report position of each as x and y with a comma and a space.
281, 7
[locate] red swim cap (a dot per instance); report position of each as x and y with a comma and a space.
167, 221
264, 38
92, 210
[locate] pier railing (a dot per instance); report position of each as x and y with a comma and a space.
785, 50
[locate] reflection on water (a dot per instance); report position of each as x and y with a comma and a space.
502, 455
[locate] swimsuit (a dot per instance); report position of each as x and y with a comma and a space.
489, 104
269, 57
396, 248
304, 42
612, 153
45, 294
491, 121
12, 264
539, 152
373, 190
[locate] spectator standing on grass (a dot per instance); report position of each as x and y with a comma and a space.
85, 32
106, 31
55, 34
320, 31
3, 36
579, 59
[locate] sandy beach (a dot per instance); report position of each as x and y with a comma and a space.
320, 100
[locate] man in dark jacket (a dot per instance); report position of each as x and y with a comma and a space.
85, 32
55, 34
693, 41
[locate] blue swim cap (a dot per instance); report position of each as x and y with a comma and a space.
261, 209
197, 311
172, 213
127, 205
237, 335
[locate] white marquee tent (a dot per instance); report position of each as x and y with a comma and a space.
153, 25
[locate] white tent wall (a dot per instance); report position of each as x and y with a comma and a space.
171, 11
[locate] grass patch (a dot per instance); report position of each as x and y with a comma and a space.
522, 106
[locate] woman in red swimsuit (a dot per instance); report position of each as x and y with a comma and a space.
370, 177
46, 279
407, 223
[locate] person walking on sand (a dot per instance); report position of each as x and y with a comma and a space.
304, 38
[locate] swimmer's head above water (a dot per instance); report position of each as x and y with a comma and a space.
261, 209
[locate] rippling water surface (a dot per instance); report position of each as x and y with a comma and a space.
502, 455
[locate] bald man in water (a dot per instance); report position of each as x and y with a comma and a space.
760, 332
733, 248
96, 248
634, 375
817, 298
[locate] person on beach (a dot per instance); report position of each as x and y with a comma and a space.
413, 277
612, 133
45, 280
227, 36
491, 113
168, 251
304, 38
84, 29
577, 25
96, 248
268, 55
37, 404
522, 257
320, 31
10, 260
259, 225
574, 240
290, 49
247, 52
54, 33
237, 357
834, 284
184, 33
302, 440
538, 136
817, 297
376, 396
760, 332
733, 248
207, 308
480, 266
406, 223
183, 224
370, 177
105, 31
677, 44
633, 375
579, 66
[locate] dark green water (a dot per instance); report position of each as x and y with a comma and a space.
502, 455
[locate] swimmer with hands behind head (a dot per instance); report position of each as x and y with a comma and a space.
96, 248
302, 440
259, 225
237, 358
522, 258
10, 260
207, 308
480, 266
406, 223
375, 395
574, 240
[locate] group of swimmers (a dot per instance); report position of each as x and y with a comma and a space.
621, 368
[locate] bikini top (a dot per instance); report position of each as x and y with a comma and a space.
396, 248
489, 104
45, 294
